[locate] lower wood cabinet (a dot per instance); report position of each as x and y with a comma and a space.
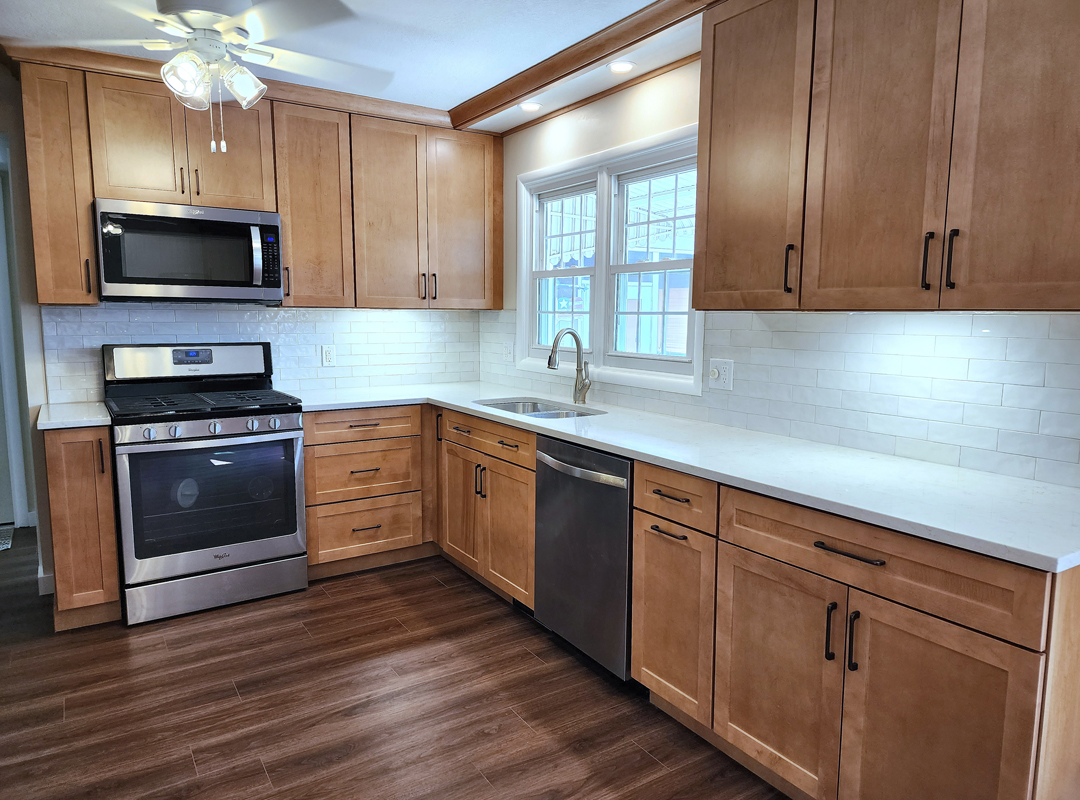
362, 527
674, 583
351, 470
81, 509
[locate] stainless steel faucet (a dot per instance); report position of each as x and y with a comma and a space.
582, 384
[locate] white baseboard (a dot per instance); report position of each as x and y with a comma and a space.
31, 519
46, 584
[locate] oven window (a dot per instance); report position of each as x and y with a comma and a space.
166, 251
184, 500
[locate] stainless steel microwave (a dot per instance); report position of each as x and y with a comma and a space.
156, 251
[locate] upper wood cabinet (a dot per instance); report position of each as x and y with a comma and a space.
79, 467
61, 184
756, 59
464, 190
242, 176
390, 213
1014, 209
314, 184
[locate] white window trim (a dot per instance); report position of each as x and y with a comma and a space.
601, 168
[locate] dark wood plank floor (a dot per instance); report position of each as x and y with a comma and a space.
406, 682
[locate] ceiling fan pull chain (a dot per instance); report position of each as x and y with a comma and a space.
213, 142
221, 110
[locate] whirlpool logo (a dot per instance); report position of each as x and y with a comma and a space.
221, 556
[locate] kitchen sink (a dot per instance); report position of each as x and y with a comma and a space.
535, 407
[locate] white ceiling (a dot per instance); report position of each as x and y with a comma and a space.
442, 52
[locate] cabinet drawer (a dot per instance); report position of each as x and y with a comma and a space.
495, 439
360, 424
676, 496
349, 471
1002, 599
362, 527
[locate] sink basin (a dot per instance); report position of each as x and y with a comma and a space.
535, 407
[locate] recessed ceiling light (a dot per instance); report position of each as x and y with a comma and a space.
531, 106
621, 67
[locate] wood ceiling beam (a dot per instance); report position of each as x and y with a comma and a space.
588, 52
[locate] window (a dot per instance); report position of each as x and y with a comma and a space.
610, 254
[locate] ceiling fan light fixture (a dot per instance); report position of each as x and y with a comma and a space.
243, 85
530, 106
185, 74
256, 56
200, 101
621, 67
173, 28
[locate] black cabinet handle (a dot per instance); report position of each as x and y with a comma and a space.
682, 537
829, 654
366, 425
873, 562
511, 446
198, 185
462, 430
362, 471
671, 496
787, 259
434, 286
483, 494
368, 528
101, 455
181, 180
288, 283
926, 258
423, 291
852, 664
948, 266
476, 480
89, 285
438, 427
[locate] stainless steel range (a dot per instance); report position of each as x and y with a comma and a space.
210, 477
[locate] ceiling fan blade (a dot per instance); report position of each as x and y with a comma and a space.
149, 44
364, 79
274, 18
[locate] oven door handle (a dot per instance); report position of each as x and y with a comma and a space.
209, 444
256, 256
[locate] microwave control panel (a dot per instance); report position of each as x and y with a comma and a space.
271, 256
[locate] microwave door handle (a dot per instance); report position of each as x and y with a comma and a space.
256, 256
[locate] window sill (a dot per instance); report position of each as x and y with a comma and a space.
637, 378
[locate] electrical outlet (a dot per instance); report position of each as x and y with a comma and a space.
328, 356
508, 352
721, 374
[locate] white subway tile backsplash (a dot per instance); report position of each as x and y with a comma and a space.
1065, 326
1061, 376
897, 426
863, 440
1053, 423
963, 435
1044, 399
1001, 463
901, 386
1012, 419
904, 345
1012, 326
937, 324
934, 367
1058, 472
940, 410
1058, 351
936, 452
988, 394
969, 347
867, 401
1039, 446
1017, 372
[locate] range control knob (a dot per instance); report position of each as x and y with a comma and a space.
274, 423
252, 424
149, 433
175, 431
215, 427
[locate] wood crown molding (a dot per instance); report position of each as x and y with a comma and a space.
645, 76
133, 67
602, 45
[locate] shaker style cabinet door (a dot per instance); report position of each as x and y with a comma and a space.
461, 522
1014, 207
780, 667
755, 101
390, 213
61, 184
137, 139
242, 176
934, 710
314, 184
508, 496
878, 169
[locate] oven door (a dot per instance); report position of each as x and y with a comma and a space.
156, 250
195, 506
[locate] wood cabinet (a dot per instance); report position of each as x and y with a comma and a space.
79, 468
756, 60
61, 184
494, 438
338, 531
360, 424
351, 470
314, 186
780, 667
677, 496
673, 604
390, 222
243, 175
461, 527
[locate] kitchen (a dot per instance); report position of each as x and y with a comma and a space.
328, 502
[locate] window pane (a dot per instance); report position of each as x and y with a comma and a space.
661, 242
637, 244
569, 231
662, 197
625, 333
652, 292
684, 239
675, 335
627, 292
652, 312
687, 201
649, 328
563, 303
658, 223
678, 291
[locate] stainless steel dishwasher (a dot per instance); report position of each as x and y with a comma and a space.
583, 550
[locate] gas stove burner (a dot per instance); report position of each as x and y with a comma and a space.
251, 398
156, 404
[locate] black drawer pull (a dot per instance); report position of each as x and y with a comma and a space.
852, 664
288, 283
462, 430
366, 425
682, 537
483, 472
787, 258
873, 562
359, 471
198, 186
829, 654
423, 291
89, 286
671, 496
511, 446
949, 284
368, 528
101, 453
476, 479
181, 180
438, 427
926, 258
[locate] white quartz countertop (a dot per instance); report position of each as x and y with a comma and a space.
1022, 521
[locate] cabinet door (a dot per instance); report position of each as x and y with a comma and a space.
878, 173
461, 220
673, 602
389, 172
137, 139
1013, 199
242, 176
935, 710
461, 510
61, 185
508, 496
361, 527
780, 667
755, 101
315, 202
79, 469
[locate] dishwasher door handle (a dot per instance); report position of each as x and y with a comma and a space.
584, 474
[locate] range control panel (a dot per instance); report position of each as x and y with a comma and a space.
207, 428
201, 356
